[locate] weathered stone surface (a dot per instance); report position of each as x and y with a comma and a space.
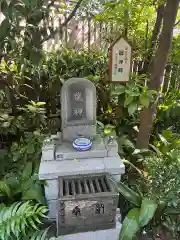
51, 189
52, 205
114, 165
78, 108
70, 133
66, 151
111, 146
48, 153
117, 178
53, 169
109, 234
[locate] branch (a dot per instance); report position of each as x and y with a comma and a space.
71, 15
176, 23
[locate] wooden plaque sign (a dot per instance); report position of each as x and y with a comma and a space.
120, 61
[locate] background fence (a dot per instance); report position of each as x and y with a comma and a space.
81, 33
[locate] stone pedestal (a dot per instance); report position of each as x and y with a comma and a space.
60, 159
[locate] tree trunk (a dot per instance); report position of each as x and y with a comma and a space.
126, 23
157, 71
154, 38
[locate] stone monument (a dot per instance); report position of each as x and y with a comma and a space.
78, 106
60, 159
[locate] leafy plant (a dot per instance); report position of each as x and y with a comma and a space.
27, 149
155, 205
20, 219
136, 94
168, 112
25, 186
28, 118
166, 141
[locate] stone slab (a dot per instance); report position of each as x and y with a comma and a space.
51, 189
114, 165
109, 234
52, 205
66, 151
54, 169
70, 133
78, 94
48, 153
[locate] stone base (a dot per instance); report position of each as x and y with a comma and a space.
61, 159
109, 234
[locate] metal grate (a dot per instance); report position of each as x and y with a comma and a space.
85, 185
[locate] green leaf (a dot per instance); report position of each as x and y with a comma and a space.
132, 108
139, 151
27, 172
172, 211
130, 225
4, 189
147, 211
163, 139
129, 194
132, 165
40, 104
35, 192
5, 124
144, 100
124, 141
167, 134
155, 149
133, 93
2, 205
128, 100
100, 124
120, 90
4, 28
30, 148
19, 218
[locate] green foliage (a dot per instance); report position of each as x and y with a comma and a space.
130, 225
158, 202
20, 153
166, 141
163, 174
25, 186
129, 194
168, 112
135, 94
147, 211
20, 218
29, 117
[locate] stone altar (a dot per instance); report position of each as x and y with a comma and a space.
59, 158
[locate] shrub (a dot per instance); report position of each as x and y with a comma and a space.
156, 203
